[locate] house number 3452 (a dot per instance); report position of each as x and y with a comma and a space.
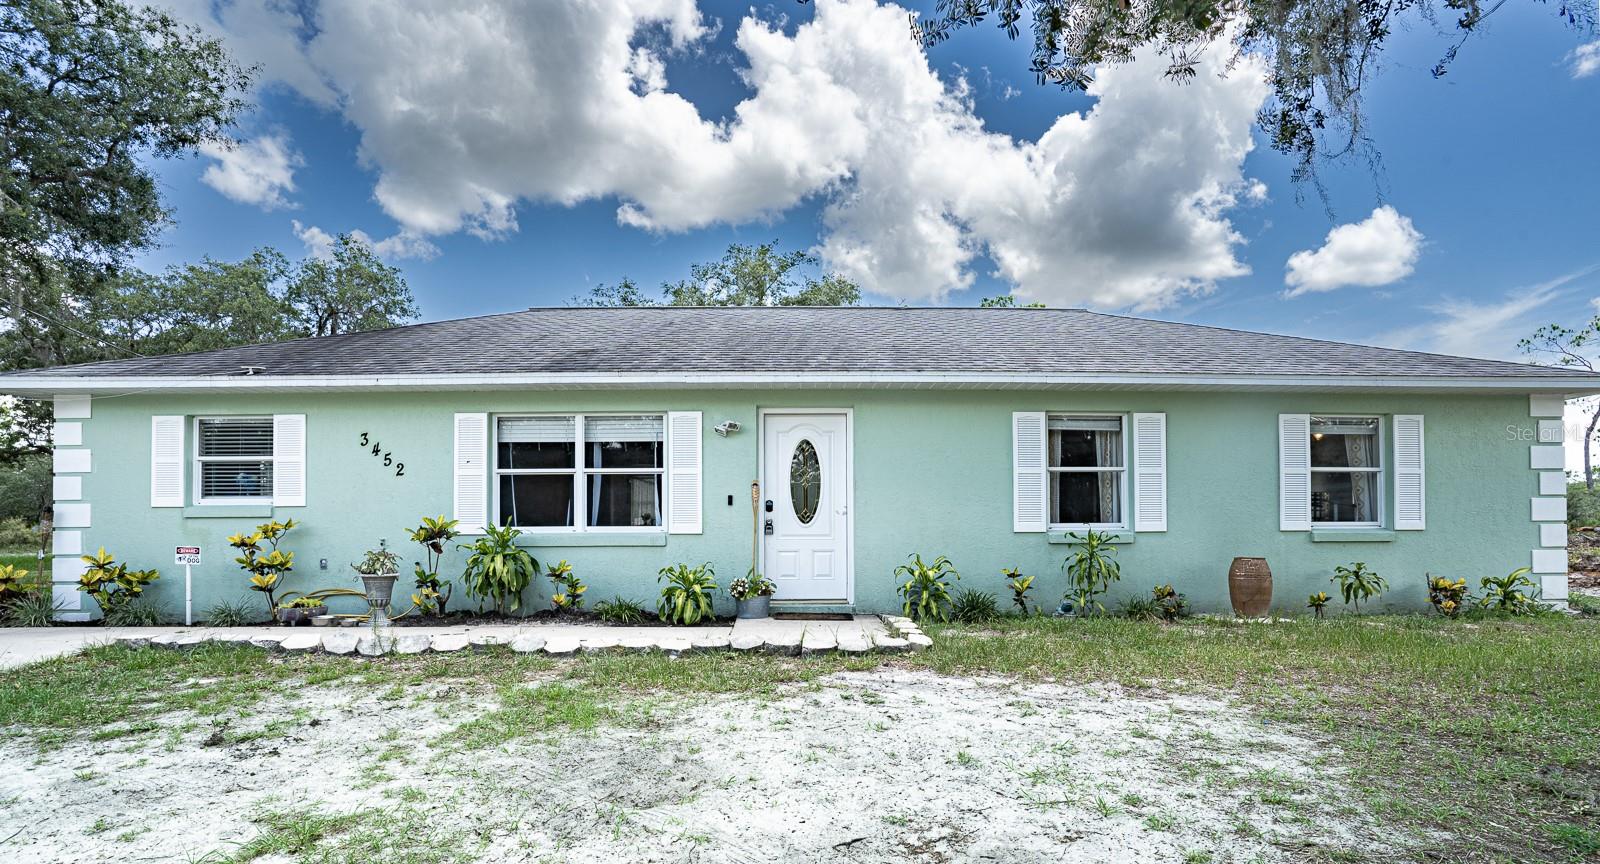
377, 451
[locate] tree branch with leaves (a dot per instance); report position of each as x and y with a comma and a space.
1556, 345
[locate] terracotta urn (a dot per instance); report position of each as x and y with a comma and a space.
1250, 587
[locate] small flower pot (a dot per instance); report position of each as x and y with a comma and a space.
755, 607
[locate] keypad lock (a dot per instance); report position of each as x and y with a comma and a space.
767, 529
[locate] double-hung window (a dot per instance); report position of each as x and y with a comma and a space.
1346, 471
233, 460
580, 471
1087, 474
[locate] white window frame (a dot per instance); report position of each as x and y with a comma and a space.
580, 472
201, 460
1122, 473
1381, 470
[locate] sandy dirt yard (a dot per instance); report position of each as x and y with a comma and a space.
883, 766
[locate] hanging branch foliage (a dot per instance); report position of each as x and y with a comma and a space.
1320, 54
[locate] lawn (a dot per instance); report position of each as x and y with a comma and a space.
27, 561
1204, 741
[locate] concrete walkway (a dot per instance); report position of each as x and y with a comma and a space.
864, 633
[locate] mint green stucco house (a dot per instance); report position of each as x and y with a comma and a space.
626, 439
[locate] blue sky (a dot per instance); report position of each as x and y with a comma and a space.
1490, 172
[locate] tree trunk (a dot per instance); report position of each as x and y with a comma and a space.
1588, 469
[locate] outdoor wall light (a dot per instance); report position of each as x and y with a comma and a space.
727, 427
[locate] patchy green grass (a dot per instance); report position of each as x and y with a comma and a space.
38, 569
1481, 733
370, 836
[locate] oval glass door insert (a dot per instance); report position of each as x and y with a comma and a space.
805, 481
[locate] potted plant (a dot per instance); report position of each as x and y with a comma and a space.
299, 611
378, 569
753, 593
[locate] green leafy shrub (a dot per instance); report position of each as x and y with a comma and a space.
926, 591
1358, 584
14, 583
113, 585
1583, 506
1140, 608
1447, 596
432, 595
1091, 569
1019, 585
136, 613
1512, 594
619, 610
972, 606
498, 571
22, 534
231, 614
260, 556
568, 588
32, 609
686, 597
303, 603
1317, 603
1170, 605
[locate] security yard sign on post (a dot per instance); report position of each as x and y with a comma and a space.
189, 557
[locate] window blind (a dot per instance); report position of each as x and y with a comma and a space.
1086, 424
641, 428
236, 436
518, 430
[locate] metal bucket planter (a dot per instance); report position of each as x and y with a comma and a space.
379, 589
755, 607
297, 615
1250, 587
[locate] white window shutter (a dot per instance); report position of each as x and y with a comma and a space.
166, 460
288, 460
1150, 472
1409, 474
684, 472
1027, 471
1294, 472
472, 472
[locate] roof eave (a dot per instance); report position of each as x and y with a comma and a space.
36, 386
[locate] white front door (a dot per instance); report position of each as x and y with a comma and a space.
806, 495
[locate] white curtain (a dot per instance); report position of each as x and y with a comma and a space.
1108, 453
1358, 453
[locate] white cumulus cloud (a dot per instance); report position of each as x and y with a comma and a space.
1585, 59
467, 110
1380, 249
258, 172
319, 243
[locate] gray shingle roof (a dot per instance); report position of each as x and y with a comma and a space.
796, 340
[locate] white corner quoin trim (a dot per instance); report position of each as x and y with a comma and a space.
71, 462
1549, 509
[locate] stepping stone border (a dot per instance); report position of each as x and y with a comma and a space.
902, 634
